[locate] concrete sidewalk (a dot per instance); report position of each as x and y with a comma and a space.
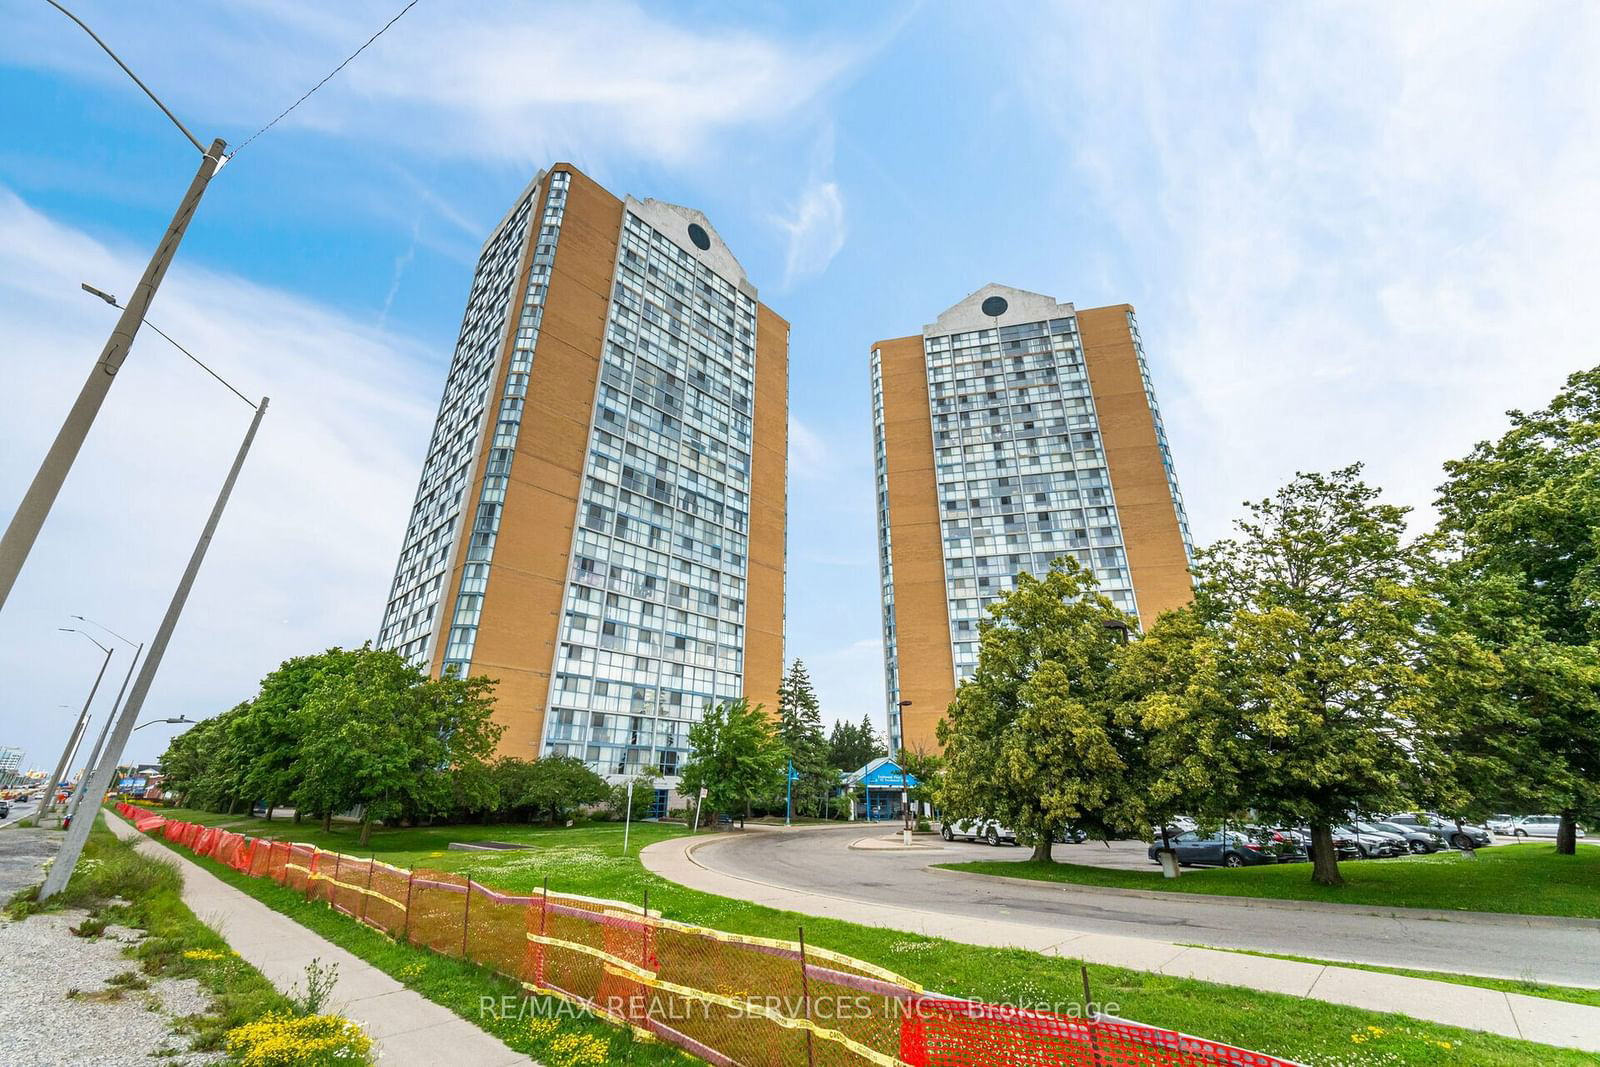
1551, 1022
406, 1028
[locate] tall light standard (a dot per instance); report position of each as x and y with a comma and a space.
24, 527
94, 756
905, 792
49, 799
72, 847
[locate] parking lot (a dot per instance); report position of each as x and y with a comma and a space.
1114, 855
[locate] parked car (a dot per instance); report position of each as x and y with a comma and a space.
1179, 824
1464, 836
1538, 826
1222, 848
988, 830
1288, 845
1419, 840
1344, 842
1071, 835
1373, 843
1500, 824
5, 810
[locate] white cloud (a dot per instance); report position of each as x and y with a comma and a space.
1357, 234
809, 455
514, 82
816, 231
305, 553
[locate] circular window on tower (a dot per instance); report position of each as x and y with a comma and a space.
701, 239
995, 306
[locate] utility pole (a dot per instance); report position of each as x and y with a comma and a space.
48, 800
41, 495
72, 847
99, 744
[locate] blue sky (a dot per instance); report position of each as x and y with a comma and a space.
1351, 232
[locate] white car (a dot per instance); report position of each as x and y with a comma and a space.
1500, 824
1538, 826
978, 830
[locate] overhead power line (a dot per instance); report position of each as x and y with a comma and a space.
320, 84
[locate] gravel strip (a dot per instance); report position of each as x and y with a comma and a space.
41, 960
22, 853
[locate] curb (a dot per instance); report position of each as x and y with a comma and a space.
1470, 918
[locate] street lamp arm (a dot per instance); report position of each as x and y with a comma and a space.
97, 644
107, 629
164, 109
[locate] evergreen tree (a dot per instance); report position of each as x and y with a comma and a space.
800, 730
852, 746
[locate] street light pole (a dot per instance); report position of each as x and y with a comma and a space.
905, 792
99, 744
24, 527
72, 847
49, 799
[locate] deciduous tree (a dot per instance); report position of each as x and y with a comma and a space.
1523, 587
1030, 738
1319, 623
737, 757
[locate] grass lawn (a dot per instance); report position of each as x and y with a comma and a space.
1525, 879
1570, 994
587, 860
179, 945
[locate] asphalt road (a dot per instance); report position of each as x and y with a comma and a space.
19, 812
822, 861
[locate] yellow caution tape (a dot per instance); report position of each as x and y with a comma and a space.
624, 969
812, 952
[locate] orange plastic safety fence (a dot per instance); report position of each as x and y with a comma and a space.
727, 999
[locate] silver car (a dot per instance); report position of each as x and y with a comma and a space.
1538, 826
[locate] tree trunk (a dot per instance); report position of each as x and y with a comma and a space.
327, 822
1567, 834
1324, 857
366, 828
269, 812
1041, 849
297, 816
233, 804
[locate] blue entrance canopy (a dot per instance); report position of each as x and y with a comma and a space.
881, 773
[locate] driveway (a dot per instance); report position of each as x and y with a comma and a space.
823, 862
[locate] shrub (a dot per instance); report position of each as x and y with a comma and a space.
278, 1040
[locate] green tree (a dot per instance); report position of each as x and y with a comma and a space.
852, 746
557, 786
926, 767
1030, 738
382, 737
736, 756
644, 794
272, 726
1177, 730
187, 762
513, 779
1319, 621
800, 730
1522, 601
